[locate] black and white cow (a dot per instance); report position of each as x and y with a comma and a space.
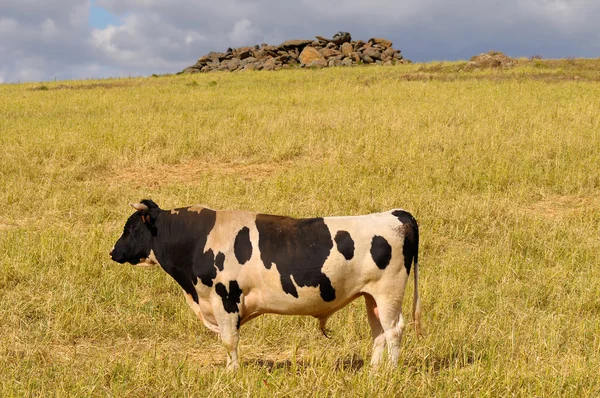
234, 266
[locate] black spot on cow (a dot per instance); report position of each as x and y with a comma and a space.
204, 268
242, 246
220, 261
179, 244
288, 285
298, 248
185, 282
410, 230
327, 291
345, 244
231, 299
381, 251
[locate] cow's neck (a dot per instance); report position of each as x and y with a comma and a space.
180, 242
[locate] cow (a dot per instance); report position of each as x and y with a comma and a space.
234, 266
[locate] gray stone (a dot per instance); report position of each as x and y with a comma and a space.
204, 59
260, 53
217, 56
328, 53
295, 43
389, 52
234, 64
355, 56
271, 49
358, 45
244, 52
341, 37
366, 58
372, 52
383, 43
269, 64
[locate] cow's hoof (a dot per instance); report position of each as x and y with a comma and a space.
233, 367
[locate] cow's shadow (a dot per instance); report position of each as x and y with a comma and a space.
352, 363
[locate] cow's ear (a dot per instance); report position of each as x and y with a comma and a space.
149, 218
152, 211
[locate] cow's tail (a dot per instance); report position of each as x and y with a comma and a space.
416, 300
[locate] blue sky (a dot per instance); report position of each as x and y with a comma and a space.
78, 39
100, 18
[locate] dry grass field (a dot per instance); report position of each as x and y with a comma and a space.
500, 168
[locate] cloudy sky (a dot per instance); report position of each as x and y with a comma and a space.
73, 39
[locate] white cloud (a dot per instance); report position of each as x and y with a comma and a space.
243, 33
7, 25
49, 30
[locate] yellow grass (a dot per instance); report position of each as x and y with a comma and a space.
501, 169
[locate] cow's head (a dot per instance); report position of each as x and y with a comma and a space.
135, 244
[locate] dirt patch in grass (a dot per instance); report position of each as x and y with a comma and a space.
190, 172
557, 207
6, 223
82, 349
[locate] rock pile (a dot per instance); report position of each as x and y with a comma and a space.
491, 59
320, 53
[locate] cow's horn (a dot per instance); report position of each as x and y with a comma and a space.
139, 206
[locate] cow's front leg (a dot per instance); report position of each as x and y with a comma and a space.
230, 337
227, 311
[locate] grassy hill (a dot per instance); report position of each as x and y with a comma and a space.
500, 167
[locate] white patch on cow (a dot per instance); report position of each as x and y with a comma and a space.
203, 311
174, 211
198, 208
149, 261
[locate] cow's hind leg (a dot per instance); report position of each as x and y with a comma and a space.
376, 330
389, 315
